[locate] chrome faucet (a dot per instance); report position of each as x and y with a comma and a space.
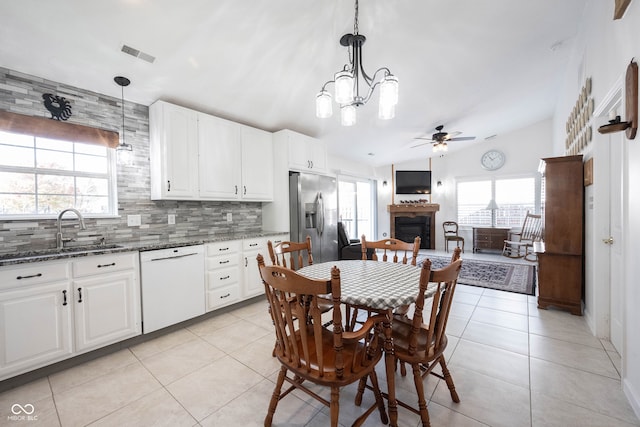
61, 240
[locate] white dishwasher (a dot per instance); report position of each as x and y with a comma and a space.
172, 286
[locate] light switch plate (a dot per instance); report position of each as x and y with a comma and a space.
229, 217
172, 219
134, 220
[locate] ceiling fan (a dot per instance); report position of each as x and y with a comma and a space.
440, 139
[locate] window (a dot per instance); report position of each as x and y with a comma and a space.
41, 176
356, 206
513, 197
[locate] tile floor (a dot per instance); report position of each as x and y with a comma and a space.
513, 365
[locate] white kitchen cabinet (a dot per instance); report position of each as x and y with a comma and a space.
173, 149
196, 156
304, 152
220, 156
257, 164
223, 274
36, 318
252, 283
54, 310
106, 299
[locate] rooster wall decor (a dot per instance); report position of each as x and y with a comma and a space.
58, 106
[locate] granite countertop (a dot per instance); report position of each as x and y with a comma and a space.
149, 245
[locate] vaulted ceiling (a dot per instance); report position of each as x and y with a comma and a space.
478, 67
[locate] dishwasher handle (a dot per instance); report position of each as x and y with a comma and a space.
173, 257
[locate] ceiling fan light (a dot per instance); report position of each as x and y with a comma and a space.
389, 90
348, 115
344, 87
324, 108
444, 146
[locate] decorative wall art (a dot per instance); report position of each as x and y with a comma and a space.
58, 106
578, 127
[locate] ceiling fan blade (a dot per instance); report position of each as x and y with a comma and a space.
420, 144
424, 138
453, 134
463, 138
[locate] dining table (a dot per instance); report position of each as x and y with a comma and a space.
380, 287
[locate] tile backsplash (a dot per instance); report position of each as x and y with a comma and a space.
22, 94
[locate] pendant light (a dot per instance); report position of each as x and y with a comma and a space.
124, 150
351, 78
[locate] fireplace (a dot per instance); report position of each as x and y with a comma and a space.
406, 229
411, 220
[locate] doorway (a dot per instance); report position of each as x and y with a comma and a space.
356, 206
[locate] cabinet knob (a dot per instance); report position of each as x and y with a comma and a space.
64, 297
608, 241
79, 294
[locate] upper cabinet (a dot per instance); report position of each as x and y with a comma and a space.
220, 158
225, 160
304, 152
173, 133
257, 173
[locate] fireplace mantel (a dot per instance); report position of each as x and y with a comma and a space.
412, 211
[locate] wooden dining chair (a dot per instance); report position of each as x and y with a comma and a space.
291, 254
422, 345
310, 352
393, 247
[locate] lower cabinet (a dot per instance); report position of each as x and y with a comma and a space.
223, 274
53, 310
107, 300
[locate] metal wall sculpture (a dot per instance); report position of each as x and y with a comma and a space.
58, 106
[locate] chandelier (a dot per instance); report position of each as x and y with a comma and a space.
347, 84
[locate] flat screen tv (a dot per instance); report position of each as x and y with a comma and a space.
413, 182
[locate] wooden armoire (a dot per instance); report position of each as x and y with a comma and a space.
561, 257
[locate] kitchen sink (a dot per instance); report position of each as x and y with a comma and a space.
56, 251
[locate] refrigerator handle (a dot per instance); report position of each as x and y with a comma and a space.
320, 213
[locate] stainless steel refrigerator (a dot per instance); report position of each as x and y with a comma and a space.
314, 212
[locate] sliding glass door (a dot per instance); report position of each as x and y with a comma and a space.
356, 206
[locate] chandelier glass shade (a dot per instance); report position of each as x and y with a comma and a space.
347, 84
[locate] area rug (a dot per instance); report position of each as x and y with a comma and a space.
503, 276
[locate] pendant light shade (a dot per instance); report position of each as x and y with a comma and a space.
324, 108
348, 115
124, 150
344, 87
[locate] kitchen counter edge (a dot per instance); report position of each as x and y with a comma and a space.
35, 256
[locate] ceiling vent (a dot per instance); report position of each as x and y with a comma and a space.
138, 54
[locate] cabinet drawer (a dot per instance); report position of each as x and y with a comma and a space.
33, 274
254, 244
103, 264
222, 261
222, 297
222, 277
220, 248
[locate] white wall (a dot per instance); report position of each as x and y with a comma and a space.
523, 150
604, 48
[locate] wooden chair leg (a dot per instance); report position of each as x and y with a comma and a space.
422, 404
361, 386
275, 397
334, 407
378, 396
449, 380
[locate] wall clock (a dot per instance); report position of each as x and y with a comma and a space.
492, 160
